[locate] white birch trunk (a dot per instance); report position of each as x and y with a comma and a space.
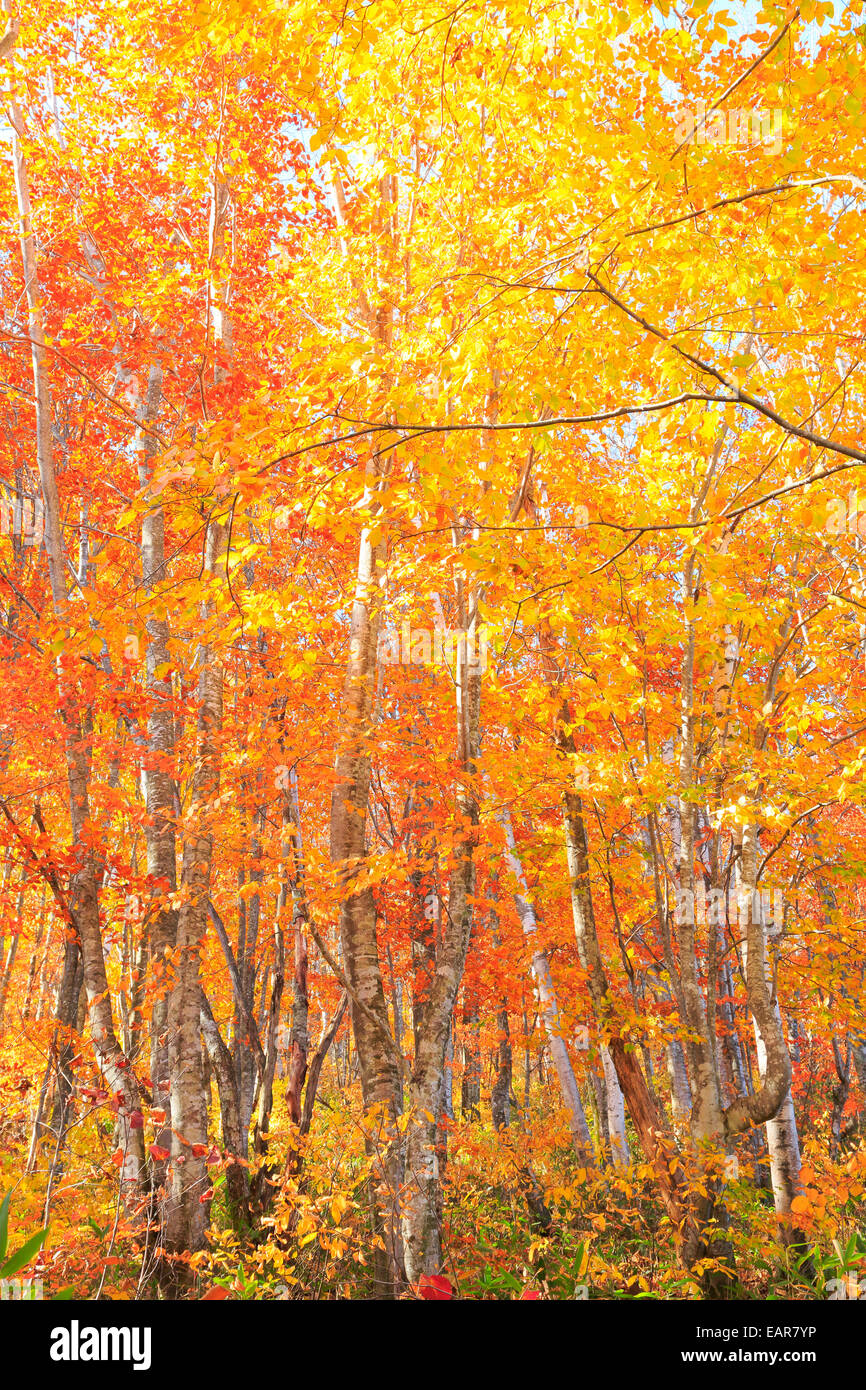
619, 1150
780, 1128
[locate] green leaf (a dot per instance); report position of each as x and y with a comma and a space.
22, 1257
4, 1223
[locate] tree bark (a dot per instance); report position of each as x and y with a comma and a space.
381, 1080
186, 1214
237, 1178
771, 1103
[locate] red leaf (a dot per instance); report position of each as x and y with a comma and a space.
435, 1286
199, 1150
214, 1293
529, 1293
158, 1152
207, 1195
136, 1120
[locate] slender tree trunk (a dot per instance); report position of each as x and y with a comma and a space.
237, 1181
300, 1042
772, 1104
186, 1214
381, 1081
503, 1079
681, 1094
34, 958
568, 1087
159, 827
500, 1094
422, 1198
315, 1069
615, 1112
8, 964
707, 1122
840, 1093
263, 1187
858, 1052
470, 1087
